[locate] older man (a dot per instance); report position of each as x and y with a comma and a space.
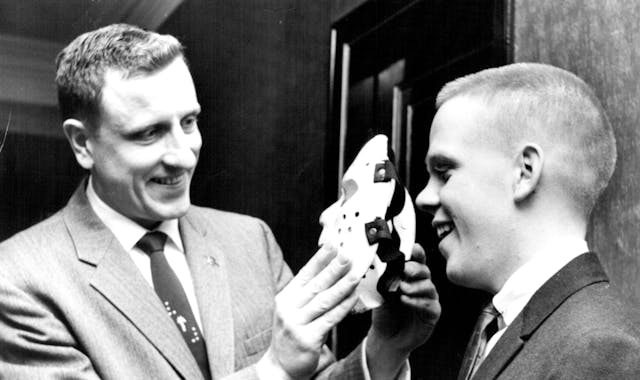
131, 281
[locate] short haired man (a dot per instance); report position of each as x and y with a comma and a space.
131, 281
517, 157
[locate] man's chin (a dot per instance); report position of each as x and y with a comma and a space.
466, 280
162, 212
456, 275
174, 213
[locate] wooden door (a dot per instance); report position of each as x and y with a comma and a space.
389, 60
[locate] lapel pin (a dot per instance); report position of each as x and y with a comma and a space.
212, 261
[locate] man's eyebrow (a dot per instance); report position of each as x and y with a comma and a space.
163, 122
193, 112
438, 160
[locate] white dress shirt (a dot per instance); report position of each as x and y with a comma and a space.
128, 232
526, 280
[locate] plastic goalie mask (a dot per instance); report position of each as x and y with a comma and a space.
372, 223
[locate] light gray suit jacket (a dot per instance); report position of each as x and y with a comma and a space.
73, 305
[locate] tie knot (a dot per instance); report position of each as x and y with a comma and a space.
488, 320
152, 242
490, 310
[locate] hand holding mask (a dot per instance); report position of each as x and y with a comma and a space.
373, 223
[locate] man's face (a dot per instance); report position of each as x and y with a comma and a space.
146, 146
469, 193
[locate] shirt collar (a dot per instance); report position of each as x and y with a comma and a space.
526, 280
126, 230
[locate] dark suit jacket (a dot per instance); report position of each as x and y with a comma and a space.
574, 327
73, 305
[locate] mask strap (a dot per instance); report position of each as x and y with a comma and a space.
388, 251
388, 241
385, 172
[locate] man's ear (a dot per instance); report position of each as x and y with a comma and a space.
528, 171
77, 134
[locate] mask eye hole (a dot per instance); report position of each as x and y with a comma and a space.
349, 187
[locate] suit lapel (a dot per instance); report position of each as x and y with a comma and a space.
208, 269
580, 272
117, 278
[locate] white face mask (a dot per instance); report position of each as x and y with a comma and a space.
373, 223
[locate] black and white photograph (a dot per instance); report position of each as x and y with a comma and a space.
319, 190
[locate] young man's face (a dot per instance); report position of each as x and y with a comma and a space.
146, 147
469, 193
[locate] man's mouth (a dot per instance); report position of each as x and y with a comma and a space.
169, 180
443, 229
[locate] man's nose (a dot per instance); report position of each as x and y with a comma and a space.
428, 200
182, 148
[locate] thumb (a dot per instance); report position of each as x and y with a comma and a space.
418, 254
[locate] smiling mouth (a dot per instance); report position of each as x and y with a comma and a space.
173, 180
443, 229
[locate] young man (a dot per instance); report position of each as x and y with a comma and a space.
517, 158
131, 281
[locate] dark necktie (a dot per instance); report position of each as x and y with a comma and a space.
174, 299
486, 326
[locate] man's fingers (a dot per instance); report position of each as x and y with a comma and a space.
332, 273
419, 289
325, 302
418, 254
315, 265
414, 271
329, 319
427, 310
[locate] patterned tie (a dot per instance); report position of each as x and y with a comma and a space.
172, 295
486, 326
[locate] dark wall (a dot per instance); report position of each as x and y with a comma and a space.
600, 42
37, 176
38, 171
261, 72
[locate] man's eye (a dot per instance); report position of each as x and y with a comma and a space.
190, 123
443, 173
147, 135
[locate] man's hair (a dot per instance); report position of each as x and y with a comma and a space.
81, 65
533, 102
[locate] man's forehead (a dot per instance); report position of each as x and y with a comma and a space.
461, 124
168, 90
174, 73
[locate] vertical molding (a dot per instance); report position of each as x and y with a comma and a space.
332, 78
344, 106
396, 124
503, 29
332, 75
408, 147
508, 29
